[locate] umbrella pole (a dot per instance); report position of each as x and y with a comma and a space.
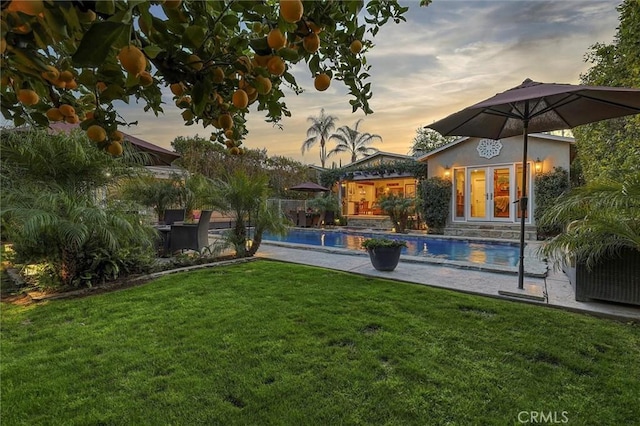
523, 201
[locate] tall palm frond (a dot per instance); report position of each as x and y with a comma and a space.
244, 198
320, 131
353, 141
601, 218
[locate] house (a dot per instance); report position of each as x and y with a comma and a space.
486, 178
366, 180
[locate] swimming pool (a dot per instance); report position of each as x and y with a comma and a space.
481, 252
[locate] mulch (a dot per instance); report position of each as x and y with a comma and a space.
13, 289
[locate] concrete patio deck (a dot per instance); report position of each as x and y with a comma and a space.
554, 288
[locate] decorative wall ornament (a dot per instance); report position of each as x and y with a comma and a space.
489, 148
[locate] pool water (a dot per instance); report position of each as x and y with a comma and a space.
482, 252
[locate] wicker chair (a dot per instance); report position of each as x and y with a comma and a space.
173, 215
191, 236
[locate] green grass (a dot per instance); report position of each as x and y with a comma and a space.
271, 343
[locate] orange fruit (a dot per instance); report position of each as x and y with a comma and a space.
66, 76
322, 82
195, 62
311, 43
225, 121
262, 61
276, 65
54, 114
28, 7
249, 89
72, 85
183, 102
28, 97
263, 85
244, 63
355, 47
177, 89
230, 143
90, 115
218, 75
291, 10
145, 79
240, 99
116, 135
132, 59
72, 119
234, 151
96, 133
51, 74
228, 134
276, 39
253, 96
115, 149
101, 86
67, 110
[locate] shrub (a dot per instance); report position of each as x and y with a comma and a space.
382, 242
435, 197
398, 208
548, 187
53, 214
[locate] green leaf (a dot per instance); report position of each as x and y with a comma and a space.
152, 51
288, 54
98, 41
40, 119
314, 64
106, 6
193, 36
230, 20
199, 98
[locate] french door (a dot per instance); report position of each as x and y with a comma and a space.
491, 194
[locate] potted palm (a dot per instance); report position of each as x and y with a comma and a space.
384, 252
600, 247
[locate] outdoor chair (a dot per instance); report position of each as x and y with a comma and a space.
173, 215
190, 236
329, 217
302, 219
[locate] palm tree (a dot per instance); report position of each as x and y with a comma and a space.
244, 197
353, 141
320, 131
602, 218
53, 214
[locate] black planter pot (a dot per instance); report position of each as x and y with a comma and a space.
615, 279
384, 258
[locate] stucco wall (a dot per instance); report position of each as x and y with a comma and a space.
553, 153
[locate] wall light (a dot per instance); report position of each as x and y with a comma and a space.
538, 165
447, 172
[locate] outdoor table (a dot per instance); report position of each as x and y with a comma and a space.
165, 233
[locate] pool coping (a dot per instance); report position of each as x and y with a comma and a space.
533, 266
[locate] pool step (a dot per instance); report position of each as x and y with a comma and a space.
491, 230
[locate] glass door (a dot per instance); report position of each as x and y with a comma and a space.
478, 195
500, 194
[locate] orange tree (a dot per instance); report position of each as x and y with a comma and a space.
71, 60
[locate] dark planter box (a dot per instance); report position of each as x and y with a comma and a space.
384, 258
616, 279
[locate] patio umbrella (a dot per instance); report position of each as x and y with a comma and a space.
538, 107
309, 187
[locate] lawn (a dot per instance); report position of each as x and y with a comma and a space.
272, 343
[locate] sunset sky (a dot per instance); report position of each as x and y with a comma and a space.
447, 56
